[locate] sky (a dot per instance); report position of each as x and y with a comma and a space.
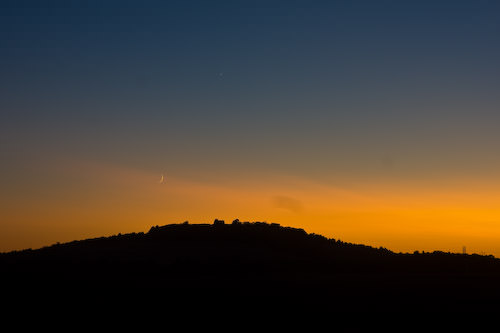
373, 122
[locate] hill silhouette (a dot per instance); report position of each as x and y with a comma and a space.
243, 264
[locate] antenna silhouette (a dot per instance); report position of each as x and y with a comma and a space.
464, 250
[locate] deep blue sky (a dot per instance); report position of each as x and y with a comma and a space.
309, 87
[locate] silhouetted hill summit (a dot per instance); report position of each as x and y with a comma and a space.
247, 262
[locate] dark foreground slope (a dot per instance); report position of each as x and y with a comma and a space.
244, 265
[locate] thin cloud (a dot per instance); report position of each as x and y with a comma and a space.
287, 203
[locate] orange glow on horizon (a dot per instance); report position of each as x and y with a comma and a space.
104, 199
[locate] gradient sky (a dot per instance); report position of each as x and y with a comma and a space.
374, 122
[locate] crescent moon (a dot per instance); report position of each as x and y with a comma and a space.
162, 179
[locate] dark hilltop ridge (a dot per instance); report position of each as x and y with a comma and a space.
242, 263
